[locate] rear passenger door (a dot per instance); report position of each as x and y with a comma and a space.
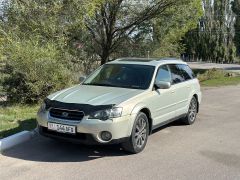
181, 87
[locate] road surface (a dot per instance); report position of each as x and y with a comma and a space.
204, 65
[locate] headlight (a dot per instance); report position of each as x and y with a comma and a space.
106, 114
43, 107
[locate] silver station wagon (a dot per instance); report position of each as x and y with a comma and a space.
122, 102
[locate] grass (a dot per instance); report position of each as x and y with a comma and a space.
217, 77
17, 118
222, 81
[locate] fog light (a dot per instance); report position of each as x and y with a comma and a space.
106, 136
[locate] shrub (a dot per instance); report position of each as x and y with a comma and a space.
211, 74
34, 71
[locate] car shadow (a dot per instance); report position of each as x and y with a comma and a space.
43, 149
26, 124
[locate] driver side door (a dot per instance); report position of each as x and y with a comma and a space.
163, 100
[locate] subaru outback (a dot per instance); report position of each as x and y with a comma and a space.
122, 102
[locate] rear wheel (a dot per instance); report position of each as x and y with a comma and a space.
192, 112
139, 135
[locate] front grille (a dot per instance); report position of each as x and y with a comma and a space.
72, 115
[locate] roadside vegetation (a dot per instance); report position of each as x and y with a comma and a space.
217, 77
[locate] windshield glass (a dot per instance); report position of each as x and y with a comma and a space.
122, 75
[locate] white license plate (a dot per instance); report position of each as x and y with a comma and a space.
62, 128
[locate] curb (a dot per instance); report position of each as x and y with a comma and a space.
11, 141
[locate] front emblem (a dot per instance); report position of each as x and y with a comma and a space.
65, 114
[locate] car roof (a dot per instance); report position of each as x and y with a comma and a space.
148, 61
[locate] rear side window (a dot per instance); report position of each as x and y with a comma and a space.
181, 73
176, 73
186, 72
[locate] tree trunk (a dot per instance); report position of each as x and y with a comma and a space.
105, 56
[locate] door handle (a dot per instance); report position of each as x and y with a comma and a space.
172, 91
188, 87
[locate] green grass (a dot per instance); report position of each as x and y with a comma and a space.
17, 118
222, 81
217, 77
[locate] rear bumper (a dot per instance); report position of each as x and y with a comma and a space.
78, 138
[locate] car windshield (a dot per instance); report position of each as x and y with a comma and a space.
122, 75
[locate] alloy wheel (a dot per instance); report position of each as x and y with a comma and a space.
192, 110
140, 132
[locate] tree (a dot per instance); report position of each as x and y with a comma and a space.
170, 28
116, 20
236, 10
35, 43
212, 40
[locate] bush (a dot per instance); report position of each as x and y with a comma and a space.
211, 74
34, 71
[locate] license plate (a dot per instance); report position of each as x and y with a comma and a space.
62, 128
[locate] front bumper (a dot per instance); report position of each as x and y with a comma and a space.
78, 138
88, 131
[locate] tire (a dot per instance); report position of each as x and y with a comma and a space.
192, 112
137, 141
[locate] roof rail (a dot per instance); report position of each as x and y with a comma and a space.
169, 58
136, 59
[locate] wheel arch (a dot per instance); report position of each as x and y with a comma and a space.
143, 108
196, 96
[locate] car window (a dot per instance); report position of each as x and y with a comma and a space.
122, 75
186, 70
163, 74
177, 76
184, 73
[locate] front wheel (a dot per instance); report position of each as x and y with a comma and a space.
192, 112
139, 135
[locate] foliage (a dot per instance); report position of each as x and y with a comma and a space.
236, 10
211, 74
117, 22
170, 28
217, 77
46, 44
36, 47
34, 71
212, 40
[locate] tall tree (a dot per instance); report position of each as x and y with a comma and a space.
213, 39
236, 10
170, 28
117, 19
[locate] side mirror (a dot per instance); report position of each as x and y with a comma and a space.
162, 84
82, 78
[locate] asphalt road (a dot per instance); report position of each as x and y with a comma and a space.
209, 149
204, 65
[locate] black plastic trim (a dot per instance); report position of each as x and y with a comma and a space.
86, 108
168, 121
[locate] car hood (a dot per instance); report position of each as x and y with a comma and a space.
94, 95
